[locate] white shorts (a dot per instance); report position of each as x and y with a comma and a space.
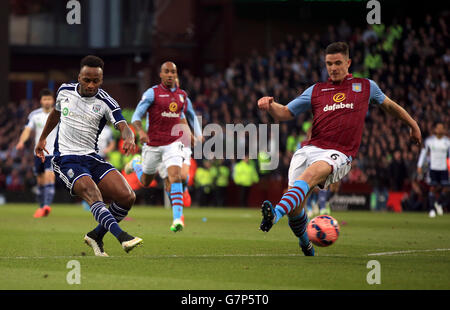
162, 168
168, 155
309, 154
187, 151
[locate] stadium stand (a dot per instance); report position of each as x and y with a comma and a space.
410, 63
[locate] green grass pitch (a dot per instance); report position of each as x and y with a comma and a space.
221, 249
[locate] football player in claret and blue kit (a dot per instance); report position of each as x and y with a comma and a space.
339, 107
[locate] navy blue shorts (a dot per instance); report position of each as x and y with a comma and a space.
438, 177
70, 168
40, 167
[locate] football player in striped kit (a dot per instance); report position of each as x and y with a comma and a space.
339, 107
82, 110
43, 170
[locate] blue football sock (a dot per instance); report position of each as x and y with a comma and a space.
323, 197
40, 195
138, 170
119, 213
105, 218
49, 194
176, 197
291, 199
309, 203
298, 226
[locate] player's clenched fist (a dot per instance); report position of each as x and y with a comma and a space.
264, 103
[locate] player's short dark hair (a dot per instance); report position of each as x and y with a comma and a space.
92, 61
336, 48
45, 92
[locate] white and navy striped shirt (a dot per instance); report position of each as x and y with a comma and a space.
36, 122
82, 119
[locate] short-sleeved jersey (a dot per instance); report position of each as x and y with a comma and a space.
438, 150
164, 107
36, 122
338, 111
82, 120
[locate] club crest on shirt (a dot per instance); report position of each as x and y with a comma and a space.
96, 108
173, 106
356, 87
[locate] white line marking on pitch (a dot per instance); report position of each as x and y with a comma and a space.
406, 252
223, 255
168, 256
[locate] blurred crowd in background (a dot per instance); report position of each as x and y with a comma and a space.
410, 63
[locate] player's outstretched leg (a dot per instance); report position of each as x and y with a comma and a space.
298, 224
103, 216
289, 202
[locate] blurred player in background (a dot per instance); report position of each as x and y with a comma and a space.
106, 142
437, 147
43, 170
324, 197
187, 150
82, 110
163, 104
339, 108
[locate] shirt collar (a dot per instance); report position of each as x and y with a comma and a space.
166, 88
347, 77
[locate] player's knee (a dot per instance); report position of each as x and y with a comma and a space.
184, 174
127, 199
309, 178
131, 199
175, 178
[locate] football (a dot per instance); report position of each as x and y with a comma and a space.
323, 230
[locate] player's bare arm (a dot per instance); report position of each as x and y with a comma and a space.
127, 136
23, 138
278, 111
52, 122
397, 111
143, 137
